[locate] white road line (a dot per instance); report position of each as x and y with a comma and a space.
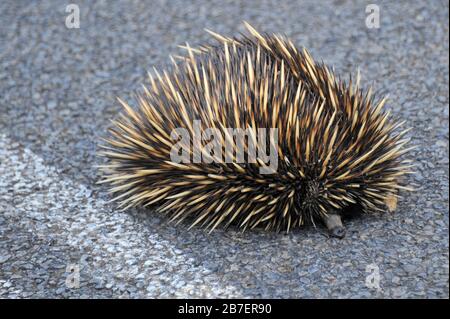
122, 251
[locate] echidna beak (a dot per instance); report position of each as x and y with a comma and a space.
334, 225
338, 232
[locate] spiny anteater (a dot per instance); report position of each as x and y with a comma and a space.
337, 150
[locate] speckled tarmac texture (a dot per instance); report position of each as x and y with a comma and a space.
57, 95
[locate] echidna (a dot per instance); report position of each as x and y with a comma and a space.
336, 149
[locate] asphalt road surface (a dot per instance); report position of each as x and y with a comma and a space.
57, 94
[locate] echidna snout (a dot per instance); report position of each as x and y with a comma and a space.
334, 225
312, 195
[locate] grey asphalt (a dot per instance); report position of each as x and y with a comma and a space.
57, 95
